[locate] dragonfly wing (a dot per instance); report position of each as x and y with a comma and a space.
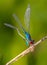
13, 27
8, 25
18, 21
27, 17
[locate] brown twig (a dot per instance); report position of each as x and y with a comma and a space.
30, 49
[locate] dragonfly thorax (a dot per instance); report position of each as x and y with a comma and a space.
28, 36
29, 39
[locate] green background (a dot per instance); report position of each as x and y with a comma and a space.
11, 44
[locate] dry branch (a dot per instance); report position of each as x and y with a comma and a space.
30, 49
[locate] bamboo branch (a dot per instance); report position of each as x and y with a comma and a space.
30, 49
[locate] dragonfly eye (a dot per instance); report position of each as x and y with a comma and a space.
31, 42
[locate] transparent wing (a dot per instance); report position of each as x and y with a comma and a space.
13, 27
18, 21
27, 18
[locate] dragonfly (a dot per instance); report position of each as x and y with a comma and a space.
27, 37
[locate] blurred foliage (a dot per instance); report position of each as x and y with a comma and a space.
10, 42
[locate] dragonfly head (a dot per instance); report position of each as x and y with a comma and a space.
31, 42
